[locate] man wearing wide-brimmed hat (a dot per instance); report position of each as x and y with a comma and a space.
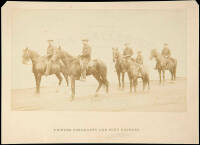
128, 52
50, 52
139, 58
85, 58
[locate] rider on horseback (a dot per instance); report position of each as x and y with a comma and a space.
128, 52
85, 58
166, 53
50, 52
139, 60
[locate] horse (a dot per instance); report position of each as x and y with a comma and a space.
164, 64
39, 64
120, 66
96, 67
136, 71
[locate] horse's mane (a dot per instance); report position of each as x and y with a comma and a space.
33, 53
68, 57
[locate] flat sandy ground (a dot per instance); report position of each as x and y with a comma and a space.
168, 97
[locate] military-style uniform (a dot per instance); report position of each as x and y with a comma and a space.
50, 53
85, 59
86, 52
139, 59
166, 52
128, 52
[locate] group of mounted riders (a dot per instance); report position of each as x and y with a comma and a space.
58, 62
85, 57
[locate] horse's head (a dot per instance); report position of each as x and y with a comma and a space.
25, 56
153, 53
115, 54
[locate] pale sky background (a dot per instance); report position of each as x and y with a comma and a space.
143, 29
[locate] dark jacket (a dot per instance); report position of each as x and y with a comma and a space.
86, 52
166, 52
128, 52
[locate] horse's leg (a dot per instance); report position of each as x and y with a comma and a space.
148, 82
72, 87
144, 82
135, 85
119, 79
100, 84
105, 82
60, 81
99, 81
123, 80
172, 75
66, 77
38, 82
159, 72
163, 76
131, 82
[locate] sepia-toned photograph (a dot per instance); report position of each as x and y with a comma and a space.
99, 60
100, 72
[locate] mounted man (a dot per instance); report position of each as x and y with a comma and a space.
139, 61
166, 53
50, 53
128, 52
139, 58
85, 58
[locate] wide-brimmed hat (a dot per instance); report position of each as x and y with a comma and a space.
50, 40
86, 40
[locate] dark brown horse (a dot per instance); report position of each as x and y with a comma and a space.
136, 71
39, 64
72, 65
120, 66
164, 64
